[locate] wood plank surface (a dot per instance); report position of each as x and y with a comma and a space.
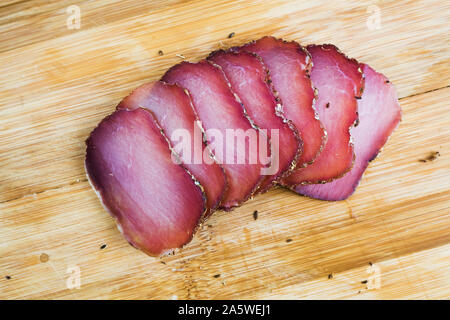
56, 84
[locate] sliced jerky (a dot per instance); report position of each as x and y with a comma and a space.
156, 202
289, 65
172, 108
219, 110
339, 81
379, 114
249, 79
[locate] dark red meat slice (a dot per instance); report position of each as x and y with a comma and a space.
289, 66
339, 81
172, 108
156, 202
379, 114
249, 79
219, 110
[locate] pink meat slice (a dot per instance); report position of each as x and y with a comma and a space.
172, 108
219, 110
339, 81
379, 114
289, 65
156, 202
249, 79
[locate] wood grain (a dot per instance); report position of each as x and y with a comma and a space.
56, 84
56, 91
401, 208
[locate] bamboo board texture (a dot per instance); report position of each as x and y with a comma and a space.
390, 240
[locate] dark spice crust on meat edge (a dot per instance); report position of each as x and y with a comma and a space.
309, 66
98, 191
354, 124
216, 205
244, 113
374, 155
278, 111
255, 189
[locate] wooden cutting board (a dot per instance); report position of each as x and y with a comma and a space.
391, 239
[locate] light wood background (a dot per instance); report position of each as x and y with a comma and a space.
56, 84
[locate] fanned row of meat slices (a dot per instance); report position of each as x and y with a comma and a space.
170, 155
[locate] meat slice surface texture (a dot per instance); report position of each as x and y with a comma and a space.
339, 82
172, 108
379, 114
220, 112
289, 64
156, 202
249, 79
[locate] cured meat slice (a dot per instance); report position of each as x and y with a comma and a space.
339, 81
156, 202
222, 115
249, 79
172, 108
289, 65
379, 114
